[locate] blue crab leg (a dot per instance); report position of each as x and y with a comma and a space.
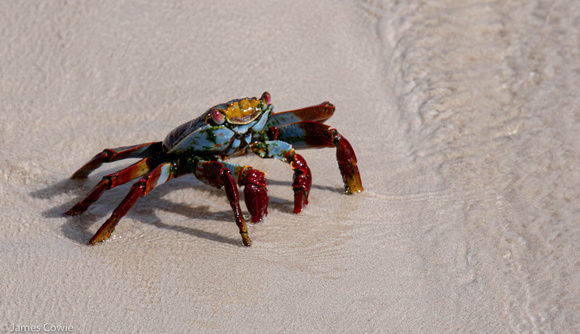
110, 181
302, 180
114, 154
317, 135
318, 113
216, 174
255, 190
161, 174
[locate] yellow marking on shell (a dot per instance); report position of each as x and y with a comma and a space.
243, 111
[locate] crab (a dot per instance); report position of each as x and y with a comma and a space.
202, 146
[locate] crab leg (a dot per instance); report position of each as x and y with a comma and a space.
216, 174
111, 181
317, 135
255, 191
157, 177
114, 154
318, 113
302, 180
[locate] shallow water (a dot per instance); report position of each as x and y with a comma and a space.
487, 99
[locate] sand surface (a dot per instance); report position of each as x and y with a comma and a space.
465, 116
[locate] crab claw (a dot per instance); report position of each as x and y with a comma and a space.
256, 194
302, 182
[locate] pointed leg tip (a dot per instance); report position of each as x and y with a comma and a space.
98, 239
73, 212
78, 175
353, 184
104, 232
246, 242
354, 190
93, 241
77, 210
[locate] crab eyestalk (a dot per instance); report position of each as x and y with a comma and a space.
265, 98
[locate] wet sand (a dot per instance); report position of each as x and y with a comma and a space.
464, 117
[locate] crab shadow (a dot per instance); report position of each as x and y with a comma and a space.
77, 228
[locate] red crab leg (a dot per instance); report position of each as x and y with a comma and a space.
318, 113
277, 149
215, 174
111, 181
255, 191
302, 180
317, 135
114, 154
158, 176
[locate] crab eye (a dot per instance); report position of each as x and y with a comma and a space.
266, 98
217, 117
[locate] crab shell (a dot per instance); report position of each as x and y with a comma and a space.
224, 129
